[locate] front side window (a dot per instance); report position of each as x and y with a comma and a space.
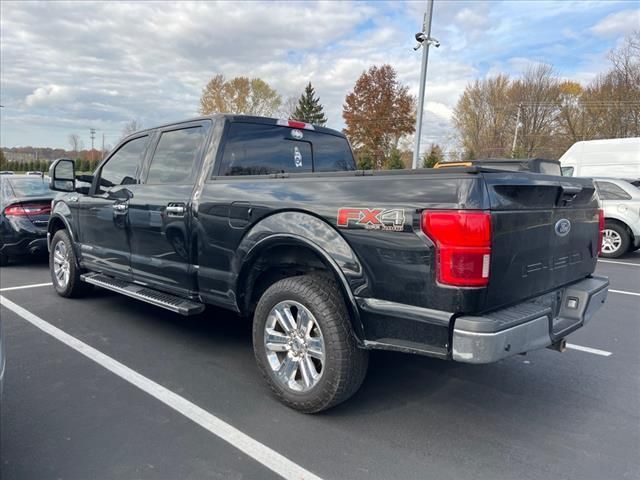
176, 155
611, 191
122, 167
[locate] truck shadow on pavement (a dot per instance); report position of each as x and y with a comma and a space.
418, 386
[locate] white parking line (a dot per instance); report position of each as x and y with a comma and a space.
620, 263
271, 459
595, 351
636, 294
21, 287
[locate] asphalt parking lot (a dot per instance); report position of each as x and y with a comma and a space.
540, 416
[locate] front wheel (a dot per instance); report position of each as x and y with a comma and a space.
63, 267
615, 240
304, 346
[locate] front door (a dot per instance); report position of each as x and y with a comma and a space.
103, 214
160, 210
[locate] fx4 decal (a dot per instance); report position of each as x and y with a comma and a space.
372, 218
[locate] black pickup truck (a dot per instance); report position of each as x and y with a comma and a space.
269, 218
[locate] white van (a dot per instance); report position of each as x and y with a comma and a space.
616, 157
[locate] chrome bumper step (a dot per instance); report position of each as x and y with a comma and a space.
146, 294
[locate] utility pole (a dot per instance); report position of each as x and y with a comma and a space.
515, 135
93, 136
424, 40
102, 147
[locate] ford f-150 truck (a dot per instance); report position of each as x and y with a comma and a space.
270, 218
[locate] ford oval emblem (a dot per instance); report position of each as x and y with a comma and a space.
563, 227
297, 134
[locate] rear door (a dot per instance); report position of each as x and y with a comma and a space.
544, 234
160, 211
102, 215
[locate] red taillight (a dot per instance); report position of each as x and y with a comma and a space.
463, 245
28, 209
600, 229
15, 211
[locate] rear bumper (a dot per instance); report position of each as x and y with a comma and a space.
25, 246
527, 326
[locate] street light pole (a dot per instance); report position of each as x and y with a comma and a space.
424, 39
515, 135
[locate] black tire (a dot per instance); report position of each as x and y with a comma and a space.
625, 240
74, 287
4, 259
344, 366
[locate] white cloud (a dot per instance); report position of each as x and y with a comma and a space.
101, 64
618, 24
48, 96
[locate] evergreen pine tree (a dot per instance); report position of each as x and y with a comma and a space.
434, 156
365, 162
394, 162
309, 108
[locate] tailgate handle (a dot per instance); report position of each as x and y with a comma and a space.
567, 193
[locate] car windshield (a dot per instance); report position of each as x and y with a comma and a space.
30, 187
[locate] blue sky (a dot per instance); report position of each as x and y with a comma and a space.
67, 67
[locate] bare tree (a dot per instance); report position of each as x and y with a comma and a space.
131, 126
538, 92
483, 117
75, 143
554, 114
288, 107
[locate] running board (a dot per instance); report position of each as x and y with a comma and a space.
146, 294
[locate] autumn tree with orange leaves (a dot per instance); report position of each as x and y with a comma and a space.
378, 113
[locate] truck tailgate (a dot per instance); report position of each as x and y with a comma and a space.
545, 234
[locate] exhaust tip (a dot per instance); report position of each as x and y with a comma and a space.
560, 345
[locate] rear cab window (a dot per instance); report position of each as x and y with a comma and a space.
262, 149
176, 155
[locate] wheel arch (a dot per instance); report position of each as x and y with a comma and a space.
622, 223
271, 251
58, 221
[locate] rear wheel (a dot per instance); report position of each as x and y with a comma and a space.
615, 240
304, 346
63, 266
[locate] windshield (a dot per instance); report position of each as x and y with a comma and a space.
30, 187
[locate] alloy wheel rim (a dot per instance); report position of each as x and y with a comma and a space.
294, 345
61, 264
611, 241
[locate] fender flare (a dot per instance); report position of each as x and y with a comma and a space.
310, 232
59, 211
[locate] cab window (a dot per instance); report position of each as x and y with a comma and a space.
176, 156
122, 167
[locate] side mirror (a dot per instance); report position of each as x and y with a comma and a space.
62, 175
